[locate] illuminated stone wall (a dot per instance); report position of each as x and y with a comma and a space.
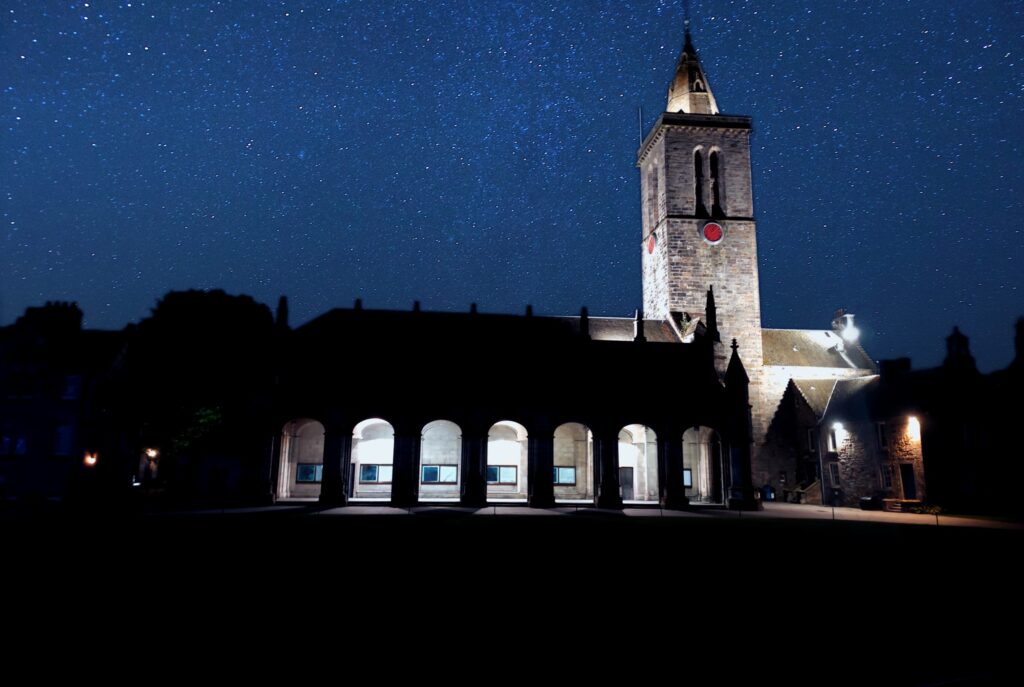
861, 459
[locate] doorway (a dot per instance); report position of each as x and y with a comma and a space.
907, 477
626, 483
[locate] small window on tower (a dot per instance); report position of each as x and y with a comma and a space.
716, 186
699, 210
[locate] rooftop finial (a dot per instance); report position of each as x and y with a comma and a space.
686, 16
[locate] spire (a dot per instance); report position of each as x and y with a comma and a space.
281, 318
736, 375
690, 91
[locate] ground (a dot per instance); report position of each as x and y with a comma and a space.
903, 603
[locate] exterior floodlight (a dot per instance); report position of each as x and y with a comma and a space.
850, 333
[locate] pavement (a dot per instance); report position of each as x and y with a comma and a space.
771, 511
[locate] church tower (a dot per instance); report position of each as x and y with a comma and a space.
698, 215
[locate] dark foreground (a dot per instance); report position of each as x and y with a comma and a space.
813, 602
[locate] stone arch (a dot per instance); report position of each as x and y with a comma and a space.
638, 464
702, 465
373, 458
507, 462
440, 476
574, 463
300, 471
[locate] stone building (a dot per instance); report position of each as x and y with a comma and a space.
49, 370
689, 401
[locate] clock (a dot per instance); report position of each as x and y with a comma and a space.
713, 232
650, 244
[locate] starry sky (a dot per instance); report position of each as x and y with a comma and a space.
452, 151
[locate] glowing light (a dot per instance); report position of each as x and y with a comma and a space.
152, 453
90, 460
838, 426
914, 428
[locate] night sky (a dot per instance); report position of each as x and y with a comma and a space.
453, 151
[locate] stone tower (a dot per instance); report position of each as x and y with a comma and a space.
698, 215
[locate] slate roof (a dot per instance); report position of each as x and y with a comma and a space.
816, 392
812, 348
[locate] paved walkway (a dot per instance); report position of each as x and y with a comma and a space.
786, 511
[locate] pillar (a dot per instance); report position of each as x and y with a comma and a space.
606, 465
670, 472
474, 471
541, 461
337, 464
272, 467
405, 478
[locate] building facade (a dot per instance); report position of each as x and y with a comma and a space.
692, 400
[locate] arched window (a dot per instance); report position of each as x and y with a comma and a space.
716, 187
698, 186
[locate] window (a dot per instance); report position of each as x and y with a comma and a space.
375, 474
716, 190
502, 474
565, 476
687, 478
886, 472
782, 476
6, 445
833, 474
309, 473
62, 443
883, 436
812, 441
20, 446
439, 474
698, 185
833, 441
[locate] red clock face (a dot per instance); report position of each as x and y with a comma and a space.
650, 244
713, 232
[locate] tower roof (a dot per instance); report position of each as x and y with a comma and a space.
690, 91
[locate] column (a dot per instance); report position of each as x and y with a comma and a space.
271, 468
474, 471
670, 463
337, 463
541, 460
405, 479
606, 465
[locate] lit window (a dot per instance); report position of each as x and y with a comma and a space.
687, 478
565, 476
440, 474
309, 473
883, 436
502, 474
886, 472
20, 446
6, 444
833, 474
375, 474
833, 440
